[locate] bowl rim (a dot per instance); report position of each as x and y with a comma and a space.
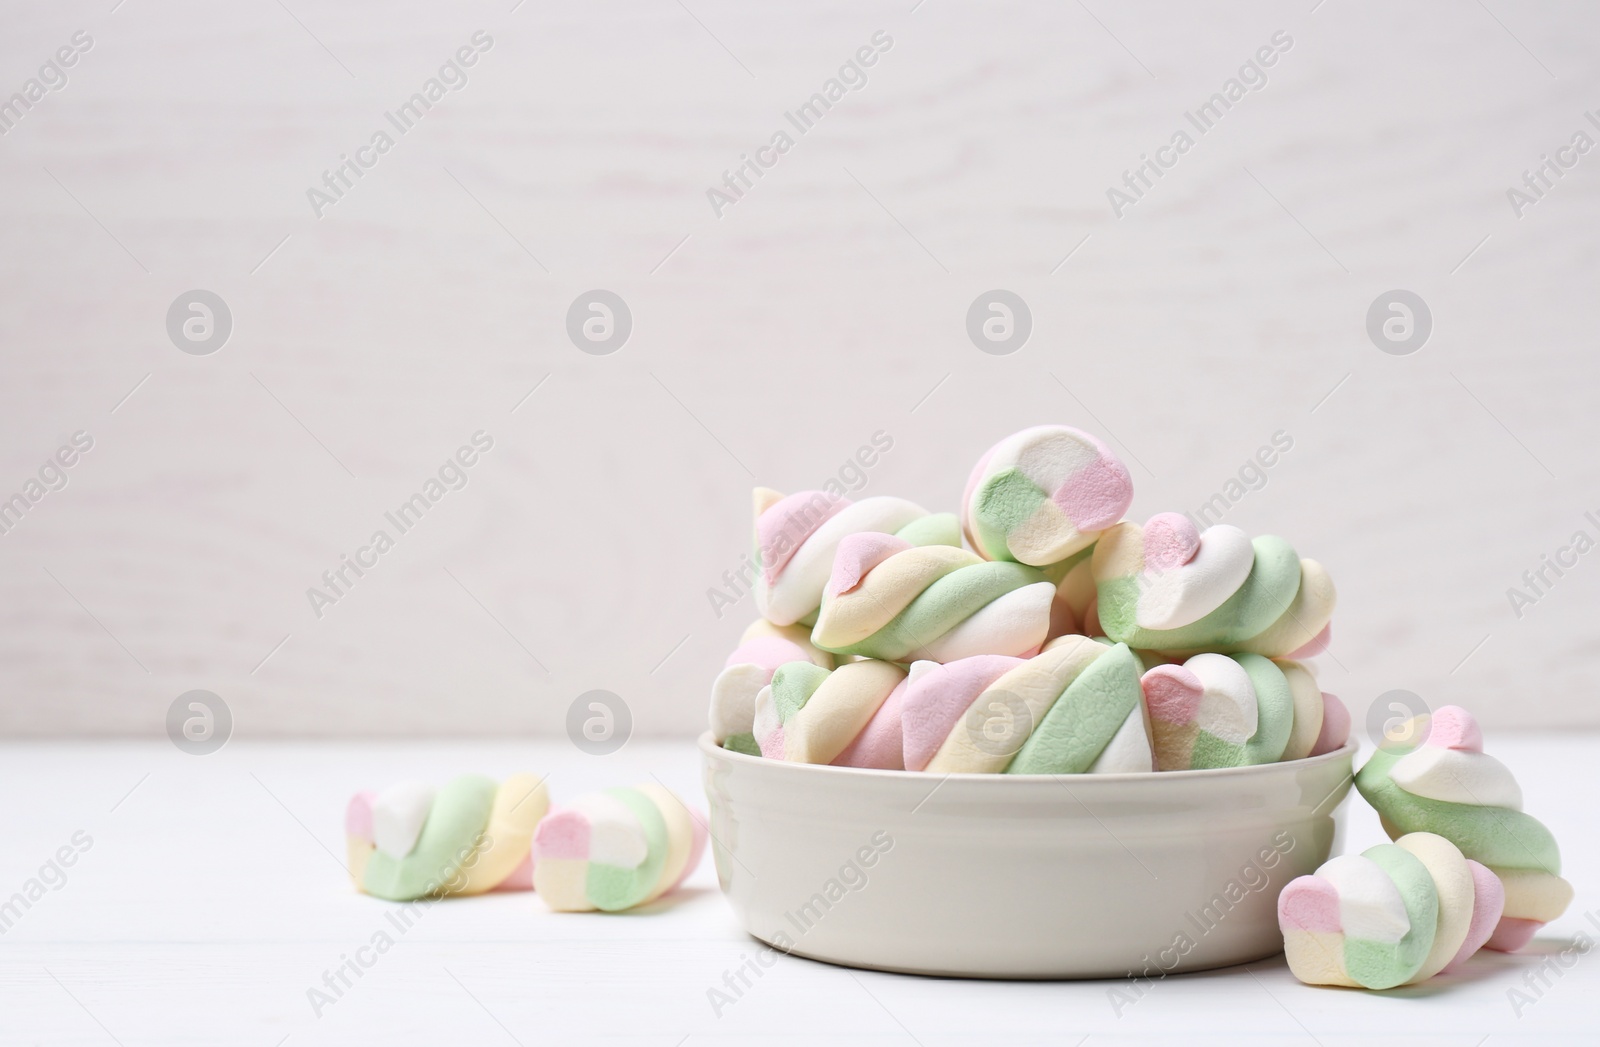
708, 747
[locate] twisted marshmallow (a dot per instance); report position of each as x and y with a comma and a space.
848, 716
1075, 708
1168, 587
889, 599
616, 849
469, 836
1396, 914
1450, 786
796, 537
1218, 710
749, 668
1042, 494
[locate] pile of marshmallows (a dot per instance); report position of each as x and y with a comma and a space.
1070, 641
1066, 641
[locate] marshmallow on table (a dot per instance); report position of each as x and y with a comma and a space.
891, 600
1168, 587
1448, 785
796, 536
1219, 710
1041, 495
504, 859
850, 716
398, 814
616, 849
749, 668
468, 836
1396, 914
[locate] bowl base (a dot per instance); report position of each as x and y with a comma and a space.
1015, 976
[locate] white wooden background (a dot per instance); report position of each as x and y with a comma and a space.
827, 304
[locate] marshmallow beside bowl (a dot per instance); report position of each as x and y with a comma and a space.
1019, 876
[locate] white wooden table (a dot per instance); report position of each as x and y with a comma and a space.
211, 900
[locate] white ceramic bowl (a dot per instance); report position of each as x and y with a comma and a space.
1019, 876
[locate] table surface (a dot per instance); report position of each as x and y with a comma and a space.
207, 898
